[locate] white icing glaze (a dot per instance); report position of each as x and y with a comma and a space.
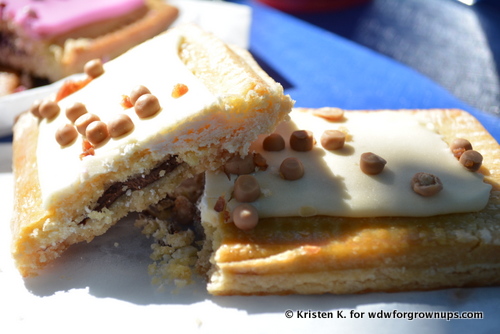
334, 185
154, 64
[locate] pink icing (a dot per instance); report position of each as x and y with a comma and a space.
46, 18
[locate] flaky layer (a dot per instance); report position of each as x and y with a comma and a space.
352, 255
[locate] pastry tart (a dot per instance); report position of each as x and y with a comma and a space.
127, 135
396, 204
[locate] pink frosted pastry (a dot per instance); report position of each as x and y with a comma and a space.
52, 39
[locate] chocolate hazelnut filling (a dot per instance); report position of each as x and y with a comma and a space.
139, 182
119, 188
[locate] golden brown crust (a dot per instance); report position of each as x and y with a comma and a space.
353, 255
27, 199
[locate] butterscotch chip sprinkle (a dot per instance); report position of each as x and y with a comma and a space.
240, 165
260, 161
76, 110
333, 139
66, 134
35, 109
147, 105
459, 145
330, 114
426, 184
97, 132
120, 125
246, 189
49, 109
302, 140
137, 92
472, 160
273, 143
291, 169
245, 217
83, 121
93, 68
371, 163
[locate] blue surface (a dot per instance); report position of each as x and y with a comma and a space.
318, 68
456, 45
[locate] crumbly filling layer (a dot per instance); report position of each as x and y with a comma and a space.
177, 236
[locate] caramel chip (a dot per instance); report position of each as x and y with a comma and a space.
66, 134
238, 165
49, 109
245, 217
333, 139
426, 184
93, 68
330, 114
302, 140
120, 125
273, 143
472, 160
291, 169
83, 121
97, 132
76, 110
137, 92
147, 105
459, 145
260, 161
371, 163
246, 189
35, 109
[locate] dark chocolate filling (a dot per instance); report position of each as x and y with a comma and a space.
7, 42
139, 182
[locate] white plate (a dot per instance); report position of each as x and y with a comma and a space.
104, 286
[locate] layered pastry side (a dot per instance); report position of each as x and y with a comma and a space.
52, 39
351, 202
128, 135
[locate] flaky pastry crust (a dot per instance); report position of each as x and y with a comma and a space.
313, 255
